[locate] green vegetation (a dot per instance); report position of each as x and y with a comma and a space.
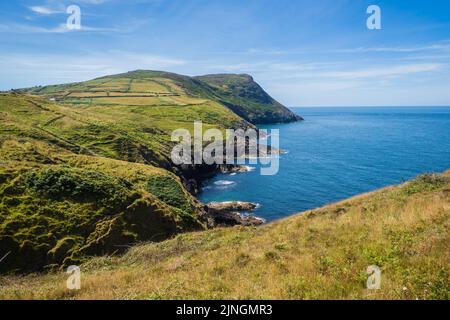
247, 99
86, 174
55, 214
239, 93
80, 185
168, 191
319, 254
86, 167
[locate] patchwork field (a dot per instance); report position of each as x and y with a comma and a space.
237, 93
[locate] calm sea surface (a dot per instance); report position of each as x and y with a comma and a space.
340, 152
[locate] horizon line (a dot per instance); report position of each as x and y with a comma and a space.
374, 106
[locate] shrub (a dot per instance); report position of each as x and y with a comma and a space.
426, 182
168, 190
79, 185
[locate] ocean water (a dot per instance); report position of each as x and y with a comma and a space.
338, 153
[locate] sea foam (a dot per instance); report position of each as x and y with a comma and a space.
224, 183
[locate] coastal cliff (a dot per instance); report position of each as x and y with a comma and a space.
86, 167
246, 98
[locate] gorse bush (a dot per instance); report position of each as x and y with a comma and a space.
426, 182
168, 190
79, 185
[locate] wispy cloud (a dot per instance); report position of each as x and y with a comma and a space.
93, 1
331, 82
53, 68
298, 59
328, 70
384, 71
439, 46
445, 45
61, 28
130, 26
44, 10
57, 7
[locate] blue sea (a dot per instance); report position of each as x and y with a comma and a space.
337, 153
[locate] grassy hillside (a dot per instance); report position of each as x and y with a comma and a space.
246, 98
320, 254
86, 167
160, 89
81, 181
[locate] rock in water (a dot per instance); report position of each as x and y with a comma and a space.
228, 213
232, 206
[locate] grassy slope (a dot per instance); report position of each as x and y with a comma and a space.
66, 191
245, 97
84, 165
321, 254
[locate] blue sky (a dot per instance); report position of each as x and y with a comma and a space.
304, 53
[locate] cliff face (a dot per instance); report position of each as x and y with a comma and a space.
245, 97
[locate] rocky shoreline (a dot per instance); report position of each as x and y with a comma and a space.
193, 176
232, 213
225, 213
220, 214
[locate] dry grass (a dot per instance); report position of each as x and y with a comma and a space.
130, 101
148, 86
320, 254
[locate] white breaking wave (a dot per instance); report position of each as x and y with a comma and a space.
224, 183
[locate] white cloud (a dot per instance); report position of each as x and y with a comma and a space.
443, 45
93, 1
328, 70
24, 28
44, 10
30, 70
53, 7
62, 28
385, 71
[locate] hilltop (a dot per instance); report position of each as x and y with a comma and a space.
319, 254
238, 92
86, 167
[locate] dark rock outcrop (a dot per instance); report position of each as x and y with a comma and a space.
232, 168
230, 214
